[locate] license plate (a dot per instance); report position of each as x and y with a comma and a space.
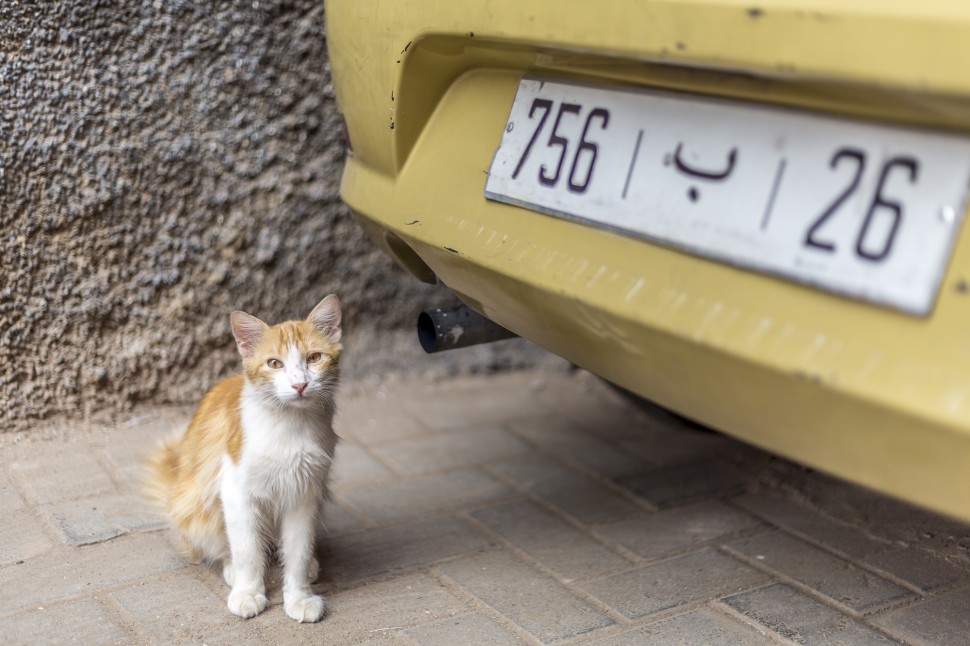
864, 210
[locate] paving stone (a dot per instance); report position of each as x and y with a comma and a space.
676, 446
467, 630
921, 569
589, 403
92, 520
354, 467
455, 449
700, 576
803, 619
181, 609
549, 498
10, 499
701, 626
55, 474
939, 621
129, 444
828, 575
887, 518
573, 493
368, 612
537, 603
56, 575
456, 405
338, 520
801, 520
434, 494
551, 541
678, 530
21, 537
373, 423
581, 446
368, 554
683, 483
83, 621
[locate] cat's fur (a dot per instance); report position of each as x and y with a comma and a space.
250, 472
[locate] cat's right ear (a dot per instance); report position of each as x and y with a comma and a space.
248, 330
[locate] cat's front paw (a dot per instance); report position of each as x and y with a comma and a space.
306, 610
245, 604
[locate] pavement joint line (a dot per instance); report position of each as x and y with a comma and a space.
630, 625
121, 482
337, 586
447, 513
808, 538
400, 636
476, 604
889, 576
353, 510
718, 605
867, 621
114, 608
98, 594
683, 608
355, 438
625, 552
714, 543
410, 477
391, 466
552, 508
587, 472
104, 601
864, 620
798, 585
13, 477
532, 561
845, 556
37, 512
616, 617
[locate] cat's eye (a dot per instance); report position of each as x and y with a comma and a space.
275, 364
314, 357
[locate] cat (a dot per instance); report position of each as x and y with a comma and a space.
250, 472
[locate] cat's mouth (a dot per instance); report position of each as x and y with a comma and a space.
299, 398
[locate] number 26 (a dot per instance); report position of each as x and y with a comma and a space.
879, 202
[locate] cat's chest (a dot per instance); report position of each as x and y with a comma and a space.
281, 471
285, 464
286, 474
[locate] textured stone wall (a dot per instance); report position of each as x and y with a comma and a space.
162, 163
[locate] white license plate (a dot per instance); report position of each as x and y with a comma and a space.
867, 211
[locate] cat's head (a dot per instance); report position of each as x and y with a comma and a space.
292, 364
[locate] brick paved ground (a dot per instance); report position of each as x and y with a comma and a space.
522, 509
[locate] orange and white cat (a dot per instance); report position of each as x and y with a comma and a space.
250, 472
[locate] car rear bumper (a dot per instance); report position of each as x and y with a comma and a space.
872, 395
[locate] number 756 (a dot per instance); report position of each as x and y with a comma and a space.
585, 148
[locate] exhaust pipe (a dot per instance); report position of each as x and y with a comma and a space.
446, 328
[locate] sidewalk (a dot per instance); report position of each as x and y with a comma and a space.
526, 508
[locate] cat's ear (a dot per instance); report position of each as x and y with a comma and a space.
326, 317
248, 330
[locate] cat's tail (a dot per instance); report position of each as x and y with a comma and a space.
161, 472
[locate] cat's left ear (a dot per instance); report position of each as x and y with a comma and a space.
248, 330
326, 317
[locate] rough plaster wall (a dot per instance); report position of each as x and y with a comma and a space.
160, 165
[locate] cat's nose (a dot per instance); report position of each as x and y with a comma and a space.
299, 388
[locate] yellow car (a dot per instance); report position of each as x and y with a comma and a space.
748, 212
